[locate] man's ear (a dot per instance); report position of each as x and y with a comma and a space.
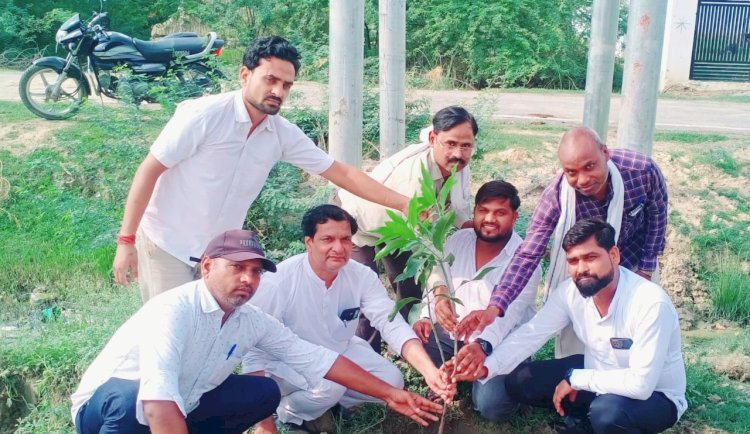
205, 266
605, 151
431, 136
308, 243
614, 254
245, 74
515, 217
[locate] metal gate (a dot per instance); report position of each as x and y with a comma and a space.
721, 47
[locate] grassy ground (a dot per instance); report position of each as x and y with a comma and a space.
58, 305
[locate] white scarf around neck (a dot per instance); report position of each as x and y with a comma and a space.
558, 269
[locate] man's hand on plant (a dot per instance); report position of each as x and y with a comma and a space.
412, 405
450, 365
476, 321
441, 385
423, 329
445, 315
470, 360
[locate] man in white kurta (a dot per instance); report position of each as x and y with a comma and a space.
489, 245
631, 377
320, 295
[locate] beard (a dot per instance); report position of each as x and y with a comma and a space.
500, 236
265, 108
593, 284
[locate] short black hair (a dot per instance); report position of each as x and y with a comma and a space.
321, 214
498, 188
449, 117
582, 230
270, 46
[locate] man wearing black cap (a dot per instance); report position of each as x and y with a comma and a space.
169, 367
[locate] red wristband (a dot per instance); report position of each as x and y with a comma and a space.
126, 239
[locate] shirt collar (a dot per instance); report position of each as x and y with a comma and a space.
242, 116
207, 300
314, 277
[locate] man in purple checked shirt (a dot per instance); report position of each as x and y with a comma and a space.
595, 182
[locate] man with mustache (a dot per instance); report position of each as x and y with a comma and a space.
319, 295
620, 186
209, 164
489, 245
169, 368
631, 376
448, 144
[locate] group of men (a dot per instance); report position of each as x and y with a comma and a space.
309, 337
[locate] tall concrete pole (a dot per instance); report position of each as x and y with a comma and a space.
640, 83
601, 65
346, 71
392, 56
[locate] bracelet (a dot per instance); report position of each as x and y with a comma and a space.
125, 239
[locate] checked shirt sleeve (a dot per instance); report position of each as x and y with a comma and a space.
530, 252
656, 219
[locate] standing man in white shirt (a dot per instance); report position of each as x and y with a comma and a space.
489, 244
168, 369
319, 295
631, 377
448, 144
210, 162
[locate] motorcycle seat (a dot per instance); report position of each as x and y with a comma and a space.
164, 49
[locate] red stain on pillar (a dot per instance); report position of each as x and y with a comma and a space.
644, 21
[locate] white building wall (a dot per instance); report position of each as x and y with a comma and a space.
679, 33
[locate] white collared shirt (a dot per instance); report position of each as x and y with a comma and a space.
640, 312
401, 172
216, 171
297, 297
178, 349
475, 295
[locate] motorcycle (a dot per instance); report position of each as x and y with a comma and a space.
117, 66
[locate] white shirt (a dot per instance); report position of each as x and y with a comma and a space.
297, 297
216, 171
178, 349
401, 172
640, 311
475, 295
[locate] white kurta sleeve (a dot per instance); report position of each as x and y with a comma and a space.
527, 339
376, 305
647, 356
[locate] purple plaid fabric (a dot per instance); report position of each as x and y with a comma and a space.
644, 223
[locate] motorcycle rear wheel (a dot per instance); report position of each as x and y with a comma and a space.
37, 93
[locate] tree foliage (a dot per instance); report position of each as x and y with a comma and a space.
480, 43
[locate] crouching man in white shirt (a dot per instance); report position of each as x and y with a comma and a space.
491, 244
631, 377
319, 295
168, 369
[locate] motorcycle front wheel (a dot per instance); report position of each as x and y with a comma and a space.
45, 97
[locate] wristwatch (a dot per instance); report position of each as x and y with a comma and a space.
569, 374
484, 345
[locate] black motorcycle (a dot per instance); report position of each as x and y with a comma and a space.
118, 66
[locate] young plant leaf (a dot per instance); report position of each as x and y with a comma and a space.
400, 304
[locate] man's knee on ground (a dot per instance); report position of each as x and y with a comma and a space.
607, 414
516, 384
492, 401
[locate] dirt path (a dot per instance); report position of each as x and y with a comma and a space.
528, 106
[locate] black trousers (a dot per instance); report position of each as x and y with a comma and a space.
534, 383
231, 408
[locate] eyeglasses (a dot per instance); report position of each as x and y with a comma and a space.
465, 148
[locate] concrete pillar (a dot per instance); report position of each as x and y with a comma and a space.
640, 84
346, 71
679, 36
392, 57
601, 65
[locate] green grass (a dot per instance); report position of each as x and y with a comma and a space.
722, 159
15, 112
729, 286
688, 137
